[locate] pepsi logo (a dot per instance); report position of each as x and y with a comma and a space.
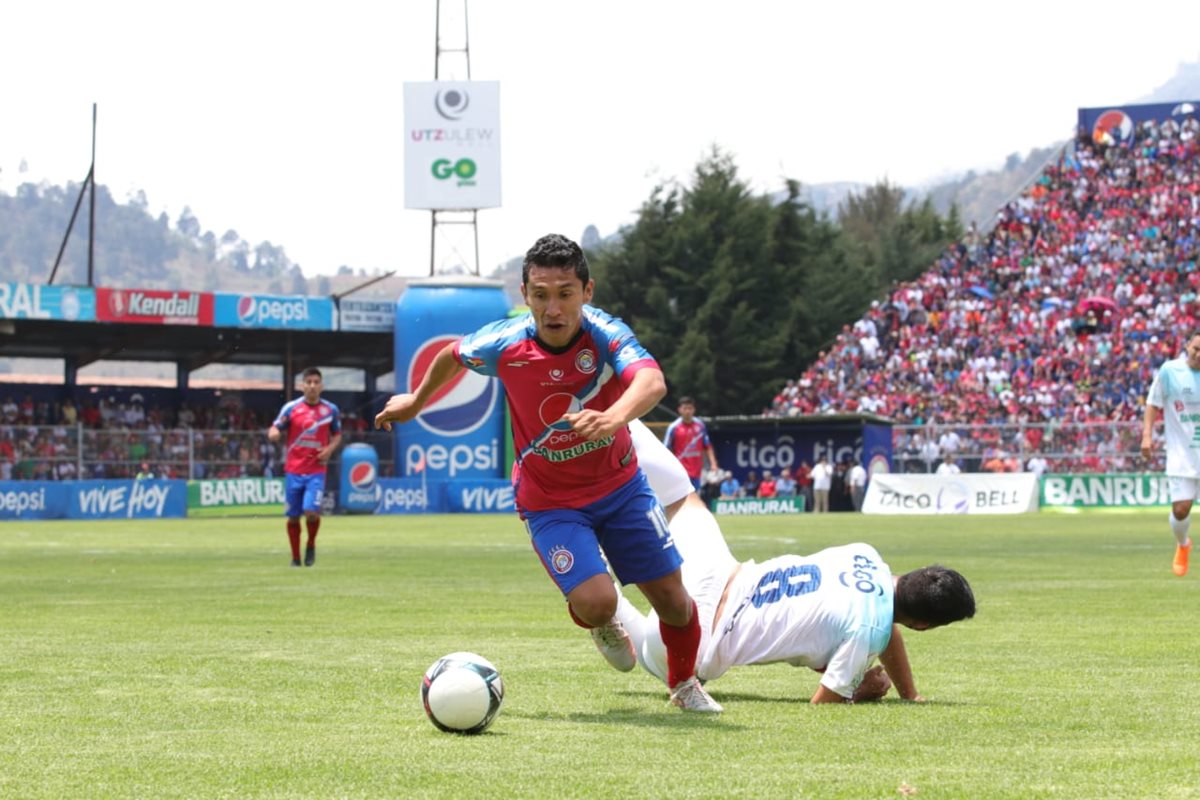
245, 309
362, 476
1114, 123
554, 406
459, 407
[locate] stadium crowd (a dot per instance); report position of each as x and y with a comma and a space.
125, 438
1060, 315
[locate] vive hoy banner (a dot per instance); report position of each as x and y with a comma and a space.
414, 496
100, 499
966, 493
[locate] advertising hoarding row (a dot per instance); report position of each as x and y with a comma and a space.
206, 309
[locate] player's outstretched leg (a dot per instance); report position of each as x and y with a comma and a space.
1183, 544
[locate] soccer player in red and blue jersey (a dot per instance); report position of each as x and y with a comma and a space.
687, 438
575, 377
314, 431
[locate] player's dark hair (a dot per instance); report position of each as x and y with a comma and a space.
936, 595
556, 250
686, 401
311, 371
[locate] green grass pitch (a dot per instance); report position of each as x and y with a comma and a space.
186, 659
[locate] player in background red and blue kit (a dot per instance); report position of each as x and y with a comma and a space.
314, 431
687, 438
575, 377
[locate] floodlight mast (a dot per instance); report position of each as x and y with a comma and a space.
89, 183
457, 216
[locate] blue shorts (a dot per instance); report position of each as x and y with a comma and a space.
629, 525
695, 483
303, 493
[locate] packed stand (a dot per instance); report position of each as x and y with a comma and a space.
1060, 315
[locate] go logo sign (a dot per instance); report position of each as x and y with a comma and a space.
464, 169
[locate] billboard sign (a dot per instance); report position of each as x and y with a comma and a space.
1117, 123
272, 311
154, 306
35, 301
366, 315
452, 145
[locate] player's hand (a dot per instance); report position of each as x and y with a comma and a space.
400, 408
916, 698
323, 454
1147, 448
875, 684
273, 434
592, 425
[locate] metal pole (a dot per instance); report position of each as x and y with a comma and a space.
92, 210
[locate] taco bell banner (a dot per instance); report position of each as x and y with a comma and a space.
1117, 123
964, 493
272, 311
452, 145
35, 301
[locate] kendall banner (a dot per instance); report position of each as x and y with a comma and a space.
273, 311
154, 306
965, 493
34, 301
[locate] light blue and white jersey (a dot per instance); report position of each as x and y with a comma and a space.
1176, 390
831, 611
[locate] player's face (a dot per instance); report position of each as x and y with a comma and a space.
1193, 352
687, 411
312, 388
556, 299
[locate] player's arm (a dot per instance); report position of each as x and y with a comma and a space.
895, 660
712, 458
644, 392
1148, 420
275, 432
404, 407
328, 450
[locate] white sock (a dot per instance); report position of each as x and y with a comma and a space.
1179, 527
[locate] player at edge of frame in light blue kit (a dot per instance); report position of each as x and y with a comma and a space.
1175, 393
574, 377
835, 611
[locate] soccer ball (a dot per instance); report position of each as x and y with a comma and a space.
462, 693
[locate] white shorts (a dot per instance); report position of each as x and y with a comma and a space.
1183, 488
668, 479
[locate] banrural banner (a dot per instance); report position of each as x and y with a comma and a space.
245, 494
760, 505
1119, 490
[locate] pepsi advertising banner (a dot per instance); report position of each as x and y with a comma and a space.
272, 311
358, 489
742, 446
1117, 123
100, 499
415, 496
136, 499
460, 433
33, 499
34, 301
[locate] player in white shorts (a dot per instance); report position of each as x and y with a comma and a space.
1175, 392
835, 611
